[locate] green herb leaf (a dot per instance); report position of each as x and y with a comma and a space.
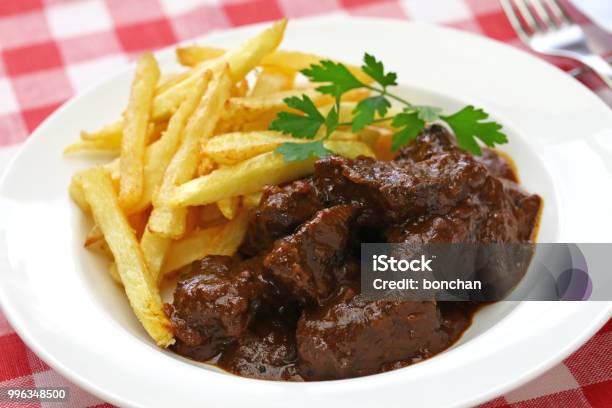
300, 126
364, 112
410, 124
468, 125
337, 75
376, 70
428, 113
331, 121
302, 151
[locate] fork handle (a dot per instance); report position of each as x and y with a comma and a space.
600, 66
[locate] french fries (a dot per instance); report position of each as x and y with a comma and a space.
154, 248
160, 153
169, 80
232, 148
229, 207
107, 140
134, 141
206, 166
94, 236
112, 271
246, 57
252, 200
291, 61
171, 222
193, 55
253, 174
240, 61
75, 190
194, 156
111, 133
218, 240
256, 112
272, 80
139, 286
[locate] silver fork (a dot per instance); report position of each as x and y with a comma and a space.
546, 28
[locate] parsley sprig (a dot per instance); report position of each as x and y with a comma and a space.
468, 124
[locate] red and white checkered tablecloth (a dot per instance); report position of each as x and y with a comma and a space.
51, 49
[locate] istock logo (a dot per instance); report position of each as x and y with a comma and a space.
383, 263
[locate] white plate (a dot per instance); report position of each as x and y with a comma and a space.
61, 301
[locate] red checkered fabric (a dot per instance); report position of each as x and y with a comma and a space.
51, 49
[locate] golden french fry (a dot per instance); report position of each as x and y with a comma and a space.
171, 222
76, 193
95, 242
112, 133
229, 207
297, 61
94, 236
231, 148
206, 166
273, 101
96, 146
218, 240
139, 286
287, 60
193, 55
241, 114
154, 249
167, 81
343, 135
252, 200
370, 135
241, 88
107, 140
271, 80
356, 95
134, 141
246, 57
252, 175
240, 60
112, 270
243, 178
112, 168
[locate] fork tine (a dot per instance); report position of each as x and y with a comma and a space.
523, 8
515, 22
542, 12
559, 12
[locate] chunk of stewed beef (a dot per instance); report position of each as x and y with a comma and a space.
215, 302
351, 337
280, 211
391, 192
304, 263
267, 351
